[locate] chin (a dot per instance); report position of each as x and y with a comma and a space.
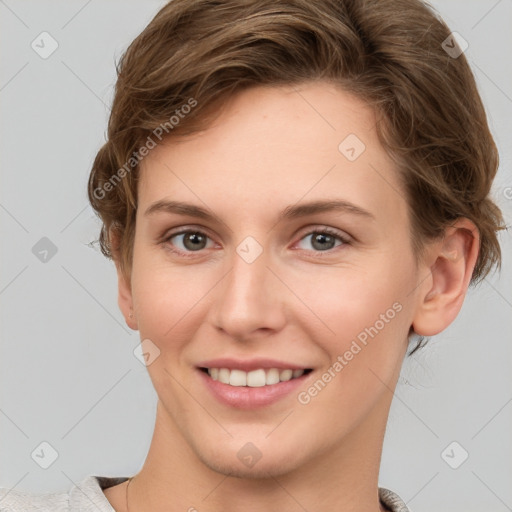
264, 468
240, 458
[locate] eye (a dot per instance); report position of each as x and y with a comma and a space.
187, 241
324, 239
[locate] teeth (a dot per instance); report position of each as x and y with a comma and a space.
272, 376
285, 375
256, 378
224, 375
238, 378
253, 379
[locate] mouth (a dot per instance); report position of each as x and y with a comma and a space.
251, 385
261, 377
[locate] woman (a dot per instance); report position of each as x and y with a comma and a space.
291, 194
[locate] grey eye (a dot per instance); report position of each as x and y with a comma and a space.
322, 241
191, 241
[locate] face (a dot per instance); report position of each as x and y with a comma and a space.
266, 283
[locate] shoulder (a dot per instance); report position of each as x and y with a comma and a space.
392, 501
12, 500
85, 496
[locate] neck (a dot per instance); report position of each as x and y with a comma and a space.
342, 478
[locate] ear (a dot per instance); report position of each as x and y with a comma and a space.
452, 261
124, 289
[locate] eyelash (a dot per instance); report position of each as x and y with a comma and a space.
324, 231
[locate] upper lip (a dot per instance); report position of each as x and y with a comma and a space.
250, 364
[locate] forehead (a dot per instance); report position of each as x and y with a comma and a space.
272, 147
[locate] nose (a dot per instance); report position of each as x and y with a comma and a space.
250, 299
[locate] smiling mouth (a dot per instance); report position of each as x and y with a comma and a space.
255, 378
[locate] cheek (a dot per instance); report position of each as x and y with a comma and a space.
365, 312
348, 302
169, 304
370, 320
169, 300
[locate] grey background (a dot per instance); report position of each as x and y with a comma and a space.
67, 370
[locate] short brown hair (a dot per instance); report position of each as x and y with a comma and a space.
388, 53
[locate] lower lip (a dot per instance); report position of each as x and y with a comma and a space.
245, 397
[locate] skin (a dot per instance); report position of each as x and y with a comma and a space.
269, 149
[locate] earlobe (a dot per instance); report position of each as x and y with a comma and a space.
125, 298
442, 294
124, 287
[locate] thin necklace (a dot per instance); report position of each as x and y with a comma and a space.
129, 482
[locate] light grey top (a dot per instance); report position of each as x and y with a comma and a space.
87, 496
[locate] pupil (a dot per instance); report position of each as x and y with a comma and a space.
322, 237
195, 238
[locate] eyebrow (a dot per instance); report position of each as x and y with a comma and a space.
290, 212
